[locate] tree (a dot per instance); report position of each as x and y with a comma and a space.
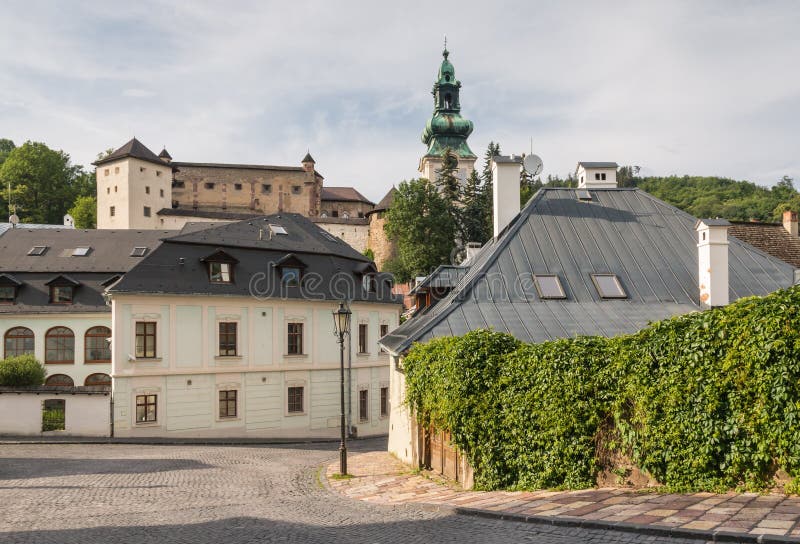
420, 224
6, 147
84, 212
44, 183
473, 226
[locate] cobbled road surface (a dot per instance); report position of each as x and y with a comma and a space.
115, 494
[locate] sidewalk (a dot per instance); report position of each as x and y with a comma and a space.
746, 517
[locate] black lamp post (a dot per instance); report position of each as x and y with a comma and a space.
341, 327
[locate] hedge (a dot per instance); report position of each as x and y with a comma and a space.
706, 401
23, 370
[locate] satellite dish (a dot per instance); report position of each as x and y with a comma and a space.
533, 165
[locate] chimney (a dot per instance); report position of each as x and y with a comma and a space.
596, 175
505, 189
790, 222
473, 248
712, 260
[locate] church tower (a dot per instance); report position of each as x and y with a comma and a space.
446, 128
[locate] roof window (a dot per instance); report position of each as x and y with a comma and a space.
608, 286
139, 252
549, 286
37, 250
81, 251
277, 229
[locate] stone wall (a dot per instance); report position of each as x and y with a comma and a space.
356, 232
344, 209
383, 248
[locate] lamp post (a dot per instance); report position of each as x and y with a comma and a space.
341, 327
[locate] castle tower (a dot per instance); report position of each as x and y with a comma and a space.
133, 184
446, 128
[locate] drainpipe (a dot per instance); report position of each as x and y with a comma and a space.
349, 386
111, 407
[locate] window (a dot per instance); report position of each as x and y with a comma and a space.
97, 380
112, 211
549, 286
81, 251
115, 188
209, 185
59, 346
361, 215
368, 283
139, 252
178, 184
608, 286
37, 251
146, 190
290, 275
602, 177
227, 403
146, 408
597, 176
61, 294
335, 213
7, 294
161, 193
296, 189
142, 169
363, 334
116, 169
237, 186
96, 345
108, 190
106, 172
227, 339
266, 188
323, 214
384, 401
146, 339
18, 341
384, 332
294, 339
53, 411
277, 229
294, 398
363, 405
219, 272
59, 380
158, 175
147, 211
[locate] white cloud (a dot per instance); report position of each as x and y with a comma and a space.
678, 87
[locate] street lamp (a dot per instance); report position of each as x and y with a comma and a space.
341, 327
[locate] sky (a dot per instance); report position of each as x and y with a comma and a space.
696, 87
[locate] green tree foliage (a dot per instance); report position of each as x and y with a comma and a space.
419, 222
6, 147
474, 226
84, 212
20, 371
44, 183
706, 401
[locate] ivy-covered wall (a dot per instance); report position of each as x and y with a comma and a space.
705, 401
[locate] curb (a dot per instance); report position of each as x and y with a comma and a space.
155, 441
652, 530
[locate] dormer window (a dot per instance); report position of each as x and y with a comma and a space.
290, 275
61, 294
608, 286
219, 272
368, 283
220, 267
290, 268
8, 288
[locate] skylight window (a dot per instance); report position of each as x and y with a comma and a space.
139, 252
81, 251
277, 229
608, 286
549, 286
583, 194
329, 236
37, 250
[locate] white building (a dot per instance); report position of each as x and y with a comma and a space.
226, 330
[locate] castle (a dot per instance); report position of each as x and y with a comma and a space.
137, 189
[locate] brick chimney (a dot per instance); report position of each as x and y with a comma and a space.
505, 190
712, 260
790, 222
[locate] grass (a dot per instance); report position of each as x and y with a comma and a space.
337, 476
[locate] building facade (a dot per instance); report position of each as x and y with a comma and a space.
227, 331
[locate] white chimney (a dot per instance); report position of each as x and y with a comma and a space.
505, 189
473, 248
790, 222
712, 260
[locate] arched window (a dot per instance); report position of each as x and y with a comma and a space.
18, 341
59, 346
96, 346
99, 379
59, 380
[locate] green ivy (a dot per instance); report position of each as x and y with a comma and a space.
704, 401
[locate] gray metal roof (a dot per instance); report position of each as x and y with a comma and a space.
445, 276
650, 245
598, 164
333, 270
29, 226
109, 257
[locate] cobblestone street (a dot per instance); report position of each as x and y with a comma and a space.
117, 493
